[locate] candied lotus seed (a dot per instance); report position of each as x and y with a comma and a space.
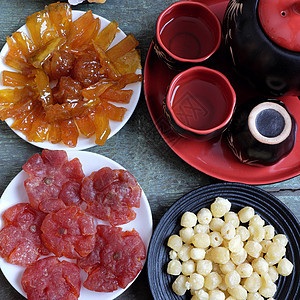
175, 242
204, 216
188, 219
221, 259
174, 267
179, 286
285, 267
220, 207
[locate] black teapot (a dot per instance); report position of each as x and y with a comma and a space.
255, 34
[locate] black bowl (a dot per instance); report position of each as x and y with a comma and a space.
272, 210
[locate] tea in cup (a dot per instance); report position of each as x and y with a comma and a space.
187, 33
200, 103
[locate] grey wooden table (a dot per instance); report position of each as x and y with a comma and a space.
138, 146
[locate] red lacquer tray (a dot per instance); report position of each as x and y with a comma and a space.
214, 157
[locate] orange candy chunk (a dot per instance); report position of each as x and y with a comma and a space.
107, 35
20, 47
113, 112
8, 97
37, 59
69, 133
54, 135
39, 129
85, 125
23, 43
97, 89
16, 110
118, 96
41, 29
123, 47
106, 63
65, 111
60, 15
43, 86
102, 129
83, 30
129, 62
24, 123
127, 79
15, 79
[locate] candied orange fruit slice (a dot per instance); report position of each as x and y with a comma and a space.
67, 77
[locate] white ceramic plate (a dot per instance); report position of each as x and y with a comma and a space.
15, 193
83, 142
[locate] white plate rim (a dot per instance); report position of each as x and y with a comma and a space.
82, 142
16, 193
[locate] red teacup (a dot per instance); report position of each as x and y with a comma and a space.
187, 33
200, 102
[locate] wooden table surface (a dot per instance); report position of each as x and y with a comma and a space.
163, 176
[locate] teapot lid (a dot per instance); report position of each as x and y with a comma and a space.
280, 19
270, 123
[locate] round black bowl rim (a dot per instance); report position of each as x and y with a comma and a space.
271, 209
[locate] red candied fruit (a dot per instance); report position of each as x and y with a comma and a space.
50, 279
69, 232
111, 194
54, 182
20, 238
115, 261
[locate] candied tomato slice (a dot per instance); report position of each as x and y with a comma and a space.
20, 238
115, 261
49, 278
70, 232
111, 194
51, 176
